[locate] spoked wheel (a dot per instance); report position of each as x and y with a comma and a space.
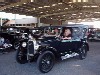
83, 52
21, 57
46, 61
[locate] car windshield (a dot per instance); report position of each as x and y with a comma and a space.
52, 31
77, 33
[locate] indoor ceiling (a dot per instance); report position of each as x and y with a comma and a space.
54, 9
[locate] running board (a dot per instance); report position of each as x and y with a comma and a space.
69, 56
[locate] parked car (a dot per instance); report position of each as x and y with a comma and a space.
94, 35
8, 37
70, 41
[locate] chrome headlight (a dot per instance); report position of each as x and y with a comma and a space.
24, 44
30, 36
36, 45
23, 36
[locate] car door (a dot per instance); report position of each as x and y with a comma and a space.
65, 45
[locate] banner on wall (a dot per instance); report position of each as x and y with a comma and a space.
12, 1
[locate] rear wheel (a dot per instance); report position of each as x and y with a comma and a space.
21, 57
46, 61
83, 52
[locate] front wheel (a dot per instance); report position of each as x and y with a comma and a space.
21, 57
83, 52
46, 61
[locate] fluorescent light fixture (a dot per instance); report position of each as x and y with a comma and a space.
47, 11
24, 3
66, 8
90, 6
41, 12
86, 6
46, 6
70, 2
94, 6
31, 0
80, 13
54, 4
73, 14
17, 5
97, 12
60, 3
33, 8
74, 1
40, 7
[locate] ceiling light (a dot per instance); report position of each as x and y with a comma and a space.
41, 12
17, 5
47, 11
24, 3
60, 3
54, 4
70, 2
53, 10
97, 12
51, 18
73, 14
64, 15
58, 16
70, 5
79, 19
46, 6
94, 6
86, 15
79, 16
40, 7
33, 8
80, 13
86, 6
66, 8
59, 9
31, 0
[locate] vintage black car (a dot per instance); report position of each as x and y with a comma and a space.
53, 45
8, 37
94, 34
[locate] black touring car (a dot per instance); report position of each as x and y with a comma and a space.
57, 42
94, 35
8, 37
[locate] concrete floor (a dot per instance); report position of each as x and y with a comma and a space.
73, 66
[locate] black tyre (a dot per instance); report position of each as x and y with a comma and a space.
83, 52
46, 61
21, 57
